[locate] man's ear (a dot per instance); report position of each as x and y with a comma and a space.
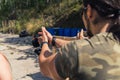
89, 11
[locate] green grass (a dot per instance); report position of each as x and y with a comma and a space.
32, 20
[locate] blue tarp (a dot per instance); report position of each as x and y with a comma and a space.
70, 32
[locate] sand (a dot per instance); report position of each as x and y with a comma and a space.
23, 60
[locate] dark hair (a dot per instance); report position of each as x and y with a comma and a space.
109, 9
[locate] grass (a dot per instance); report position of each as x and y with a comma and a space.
32, 21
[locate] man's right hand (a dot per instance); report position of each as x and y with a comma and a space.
81, 34
48, 35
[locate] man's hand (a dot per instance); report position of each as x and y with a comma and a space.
81, 34
46, 36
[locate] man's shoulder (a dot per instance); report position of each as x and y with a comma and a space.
101, 57
97, 39
103, 42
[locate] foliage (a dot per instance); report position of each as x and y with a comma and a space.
27, 12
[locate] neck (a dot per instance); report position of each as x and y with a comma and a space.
105, 28
101, 27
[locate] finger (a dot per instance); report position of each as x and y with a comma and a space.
46, 31
45, 38
40, 39
43, 32
78, 35
48, 34
43, 29
40, 33
82, 33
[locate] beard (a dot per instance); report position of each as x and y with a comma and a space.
89, 32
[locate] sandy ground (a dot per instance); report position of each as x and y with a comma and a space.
24, 62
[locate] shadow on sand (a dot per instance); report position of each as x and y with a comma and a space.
29, 53
19, 40
38, 76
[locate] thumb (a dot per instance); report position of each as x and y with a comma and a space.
82, 33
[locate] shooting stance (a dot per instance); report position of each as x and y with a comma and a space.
96, 58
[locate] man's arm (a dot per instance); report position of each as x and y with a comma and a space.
5, 69
62, 40
47, 59
47, 63
59, 40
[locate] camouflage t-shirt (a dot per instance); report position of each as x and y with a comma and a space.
97, 58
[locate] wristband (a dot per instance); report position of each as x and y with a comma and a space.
44, 43
53, 41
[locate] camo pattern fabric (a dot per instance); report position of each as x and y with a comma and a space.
97, 58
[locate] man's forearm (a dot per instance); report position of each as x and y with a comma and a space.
47, 64
60, 42
45, 51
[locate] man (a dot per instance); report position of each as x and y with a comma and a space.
96, 58
5, 69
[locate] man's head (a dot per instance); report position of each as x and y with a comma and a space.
101, 15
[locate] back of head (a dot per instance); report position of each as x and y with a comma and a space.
108, 9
